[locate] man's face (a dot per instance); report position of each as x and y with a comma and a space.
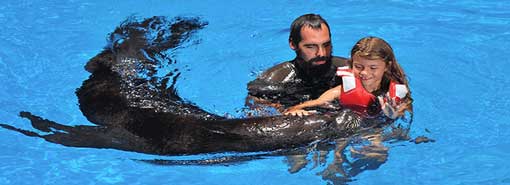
314, 48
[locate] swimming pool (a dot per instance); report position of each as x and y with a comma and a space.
454, 54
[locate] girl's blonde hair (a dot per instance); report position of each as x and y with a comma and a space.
374, 48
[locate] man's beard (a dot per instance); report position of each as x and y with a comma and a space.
311, 69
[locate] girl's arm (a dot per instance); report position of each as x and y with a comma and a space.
326, 97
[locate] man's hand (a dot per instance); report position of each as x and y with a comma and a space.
299, 112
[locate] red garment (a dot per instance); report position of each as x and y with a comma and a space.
355, 97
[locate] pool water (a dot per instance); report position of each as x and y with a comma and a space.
455, 54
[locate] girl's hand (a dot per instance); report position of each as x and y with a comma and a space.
391, 108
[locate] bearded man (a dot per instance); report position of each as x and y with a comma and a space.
311, 73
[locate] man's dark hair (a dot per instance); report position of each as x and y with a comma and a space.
312, 20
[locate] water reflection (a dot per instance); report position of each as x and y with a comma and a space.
351, 156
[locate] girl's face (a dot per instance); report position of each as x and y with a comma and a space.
370, 72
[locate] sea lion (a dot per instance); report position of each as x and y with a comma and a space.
137, 109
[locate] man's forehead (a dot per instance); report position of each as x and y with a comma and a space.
312, 28
315, 36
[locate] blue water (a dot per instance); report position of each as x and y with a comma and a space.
455, 54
